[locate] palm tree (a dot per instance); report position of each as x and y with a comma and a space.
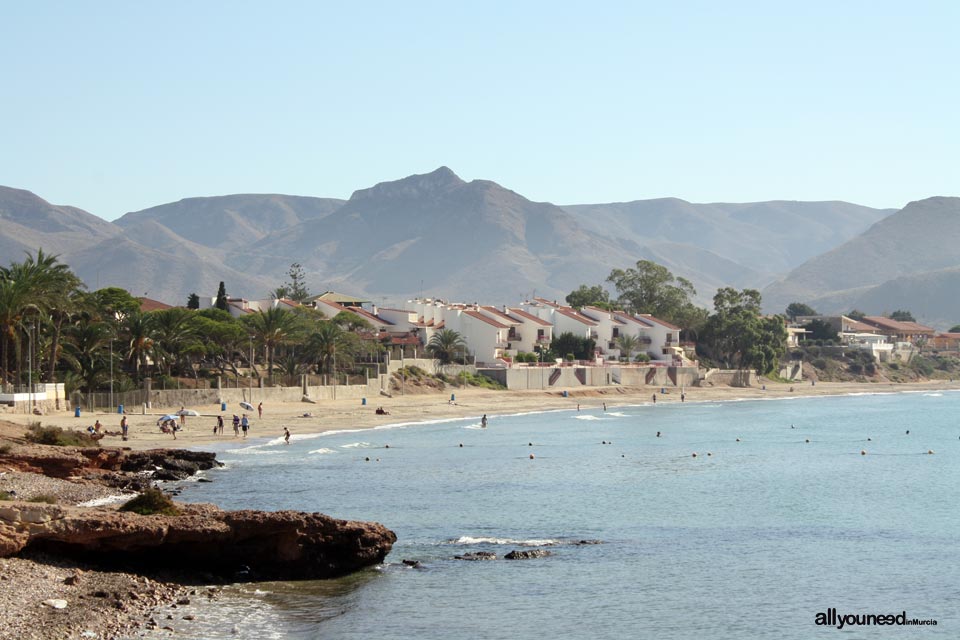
14, 298
271, 328
85, 344
172, 331
446, 345
627, 344
322, 345
137, 334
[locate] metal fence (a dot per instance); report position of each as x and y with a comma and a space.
95, 401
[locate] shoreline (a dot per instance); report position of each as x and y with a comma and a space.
312, 420
150, 603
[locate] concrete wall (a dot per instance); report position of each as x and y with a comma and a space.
521, 378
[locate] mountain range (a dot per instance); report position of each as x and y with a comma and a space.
438, 235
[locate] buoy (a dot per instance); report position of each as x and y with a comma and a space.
863, 452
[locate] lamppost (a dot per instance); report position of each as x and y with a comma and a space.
250, 384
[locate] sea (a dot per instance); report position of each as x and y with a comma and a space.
790, 508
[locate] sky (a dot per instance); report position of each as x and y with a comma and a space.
119, 106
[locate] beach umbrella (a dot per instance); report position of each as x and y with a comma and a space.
169, 416
188, 412
247, 406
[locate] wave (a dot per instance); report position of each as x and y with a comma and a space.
587, 418
616, 414
933, 395
534, 542
475, 425
322, 450
355, 445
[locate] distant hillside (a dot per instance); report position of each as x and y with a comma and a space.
768, 238
903, 248
28, 222
229, 222
432, 233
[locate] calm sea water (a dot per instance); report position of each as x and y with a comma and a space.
751, 541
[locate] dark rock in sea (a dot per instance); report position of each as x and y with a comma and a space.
583, 542
477, 555
527, 554
412, 563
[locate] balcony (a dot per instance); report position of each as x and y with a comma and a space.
543, 339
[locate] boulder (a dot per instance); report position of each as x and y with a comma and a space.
527, 554
477, 555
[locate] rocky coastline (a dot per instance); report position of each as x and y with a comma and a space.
74, 566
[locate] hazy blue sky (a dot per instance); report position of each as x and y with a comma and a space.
117, 106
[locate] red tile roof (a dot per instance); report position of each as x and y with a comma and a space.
480, 316
520, 313
501, 316
148, 304
363, 313
570, 313
660, 322
896, 325
626, 317
549, 303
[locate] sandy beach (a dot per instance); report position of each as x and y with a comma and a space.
326, 415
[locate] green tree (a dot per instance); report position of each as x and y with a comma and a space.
902, 316
795, 309
137, 336
651, 288
193, 301
296, 287
627, 345
221, 301
955, 329
270, 329
329, 345
115, 301
585, 296
172, 333
856, 314
737, 335
446, 346
820, 330
567, 343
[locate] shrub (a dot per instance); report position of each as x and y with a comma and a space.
820, 363
151, 502
5, 449
642, 357
48, 499
5, 495
57, 437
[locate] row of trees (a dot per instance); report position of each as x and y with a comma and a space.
734, 335
52, 329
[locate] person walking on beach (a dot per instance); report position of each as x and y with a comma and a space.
220, 424
236, 425
123, 427
654, 398
260, 410
244, 425
286, 435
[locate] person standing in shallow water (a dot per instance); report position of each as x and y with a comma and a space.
483, 421
244, 425
236, 425
220, 425
286, 435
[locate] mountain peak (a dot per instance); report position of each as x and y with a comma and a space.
438, 180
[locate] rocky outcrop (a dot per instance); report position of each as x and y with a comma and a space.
527, 554
203, 542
